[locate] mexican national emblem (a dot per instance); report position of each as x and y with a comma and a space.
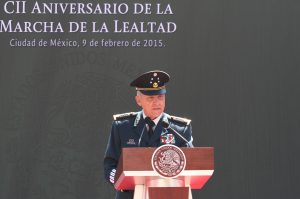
168, 161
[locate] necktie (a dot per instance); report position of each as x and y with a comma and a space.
151, 124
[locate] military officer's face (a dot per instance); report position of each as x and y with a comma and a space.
153, 105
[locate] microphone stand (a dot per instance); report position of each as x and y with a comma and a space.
166, 125
139, 144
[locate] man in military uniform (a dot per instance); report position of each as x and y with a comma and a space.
145, 128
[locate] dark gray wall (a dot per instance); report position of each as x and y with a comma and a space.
235, 72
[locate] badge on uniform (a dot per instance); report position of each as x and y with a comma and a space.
131, 142
167, 139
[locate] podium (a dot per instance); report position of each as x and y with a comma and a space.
135, 172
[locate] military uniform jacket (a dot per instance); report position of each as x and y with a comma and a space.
129, 130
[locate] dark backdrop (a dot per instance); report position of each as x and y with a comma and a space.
234, 69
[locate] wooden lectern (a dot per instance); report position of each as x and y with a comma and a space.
135, 172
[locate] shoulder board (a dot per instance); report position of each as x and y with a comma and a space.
180, 119
124, 115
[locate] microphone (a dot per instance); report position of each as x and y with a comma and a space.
147, 122
166, 125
